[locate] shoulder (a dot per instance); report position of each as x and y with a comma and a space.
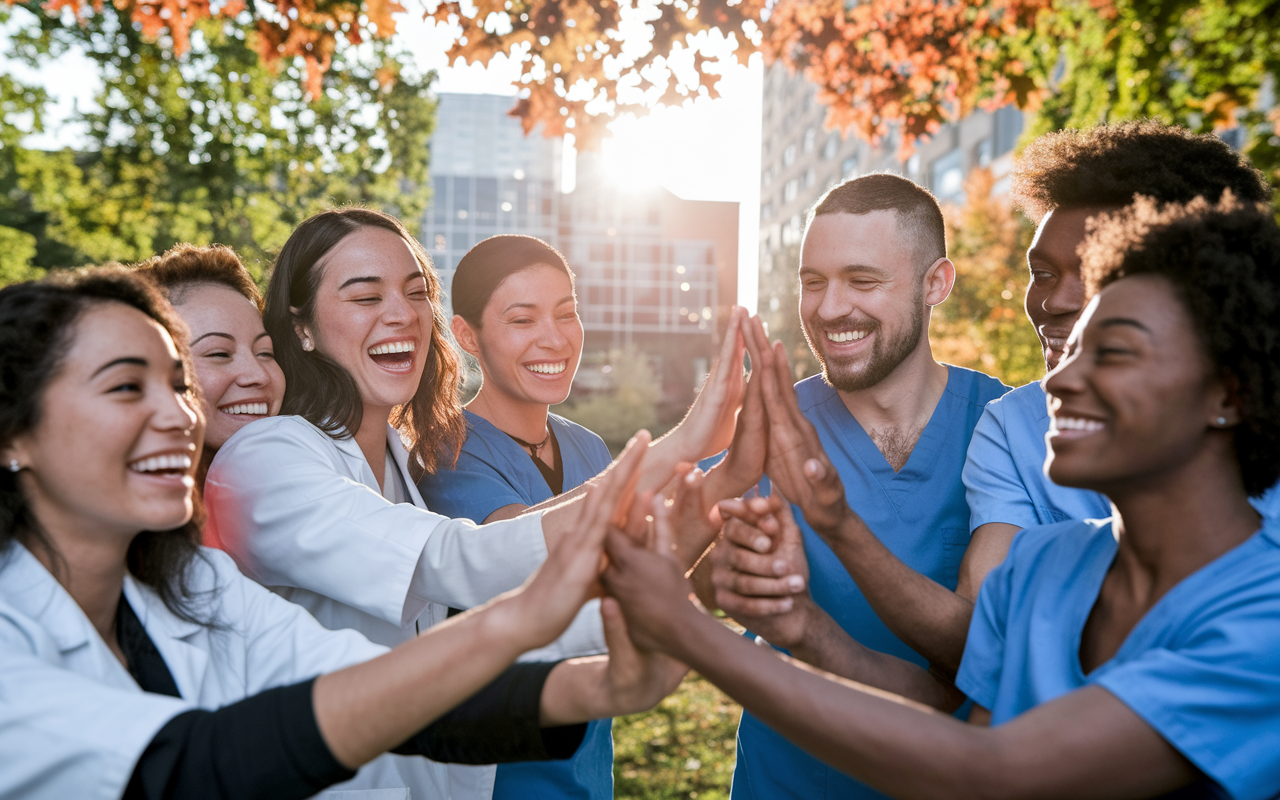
973, 387
814, 391
483, 441
584, 437
1057, 545
272, 431
1027, 400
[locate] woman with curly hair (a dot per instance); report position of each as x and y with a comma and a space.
233, 354
136, 664
1131, 657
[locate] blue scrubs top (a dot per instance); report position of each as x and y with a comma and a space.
493, 471
1202, 667
919, 513
1004, 474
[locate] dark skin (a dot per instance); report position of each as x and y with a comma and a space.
930, 618
1169, 467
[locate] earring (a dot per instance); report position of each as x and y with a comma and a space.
306, 345
1222, 421
14, 466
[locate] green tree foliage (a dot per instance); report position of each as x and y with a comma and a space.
209, 146
982, 324
630, 405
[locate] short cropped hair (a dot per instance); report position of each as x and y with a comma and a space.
1223, 260
1107, 165
492, 261
919, 216
184, 266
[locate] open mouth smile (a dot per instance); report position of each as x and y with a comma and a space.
547, 367
394, 356
846, 336
1074, 427
252, 409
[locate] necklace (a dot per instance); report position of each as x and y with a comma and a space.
533, 449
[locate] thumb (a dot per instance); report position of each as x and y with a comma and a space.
617, 638
823, 480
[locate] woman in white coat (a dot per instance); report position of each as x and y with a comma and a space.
320, 504
135, 663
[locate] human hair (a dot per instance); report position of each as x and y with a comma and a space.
184, 266
38, 321
919, 216
320, 390
1107, 165
492, 261
1223, 261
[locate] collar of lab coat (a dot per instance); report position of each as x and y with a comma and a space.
360, 467
32, 590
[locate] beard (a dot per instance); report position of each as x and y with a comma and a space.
885, 356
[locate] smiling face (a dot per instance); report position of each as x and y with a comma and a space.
119, 433
1135, 396
234, 360
1055, 293
530, 337
862, 299
373, 316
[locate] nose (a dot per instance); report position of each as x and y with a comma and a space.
174, 412
835, 304
551, 337
1068, 377
1067, 296
397, 311
252, 372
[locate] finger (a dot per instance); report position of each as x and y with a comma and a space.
823, 480
663, 537
622, 483
744, 585
749, 536
616, 636
777, 563
738, 607
737, 508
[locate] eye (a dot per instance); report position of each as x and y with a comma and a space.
182, 387
126, 387
368, 300
218, 354
1041, 276
267, 354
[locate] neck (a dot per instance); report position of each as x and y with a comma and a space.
905, 399
90, 565
1171, 525
372, 441
521, 419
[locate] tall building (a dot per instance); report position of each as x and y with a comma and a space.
655, 273
800, 160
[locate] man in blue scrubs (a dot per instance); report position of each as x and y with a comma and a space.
1061, 180
895, 423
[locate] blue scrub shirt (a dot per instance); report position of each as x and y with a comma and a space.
493, 471
919, 513
1202, 667
1004, 474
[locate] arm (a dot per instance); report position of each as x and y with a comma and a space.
1086, 743
761, 574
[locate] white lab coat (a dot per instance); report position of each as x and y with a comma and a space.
73, 722
301, 512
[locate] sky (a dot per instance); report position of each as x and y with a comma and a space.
704, 150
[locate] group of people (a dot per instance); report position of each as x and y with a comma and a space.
254, 547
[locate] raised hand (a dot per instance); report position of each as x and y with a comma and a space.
744, 464
796, 464
759, 571
694, 523
636, 679
569, 577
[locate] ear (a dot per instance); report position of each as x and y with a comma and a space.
465, 335
939, 278
11, 452
1224, 404
301, 331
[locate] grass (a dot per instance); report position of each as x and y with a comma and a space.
683, 748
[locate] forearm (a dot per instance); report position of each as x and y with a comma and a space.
828, 647
897, 746
579, 689
928, 617
369, 708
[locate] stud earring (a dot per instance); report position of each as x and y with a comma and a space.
14, 466
306, 345
1222, 421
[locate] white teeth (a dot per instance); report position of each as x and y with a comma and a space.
257, 409
394, 347
158, 463
1077, 424
547, 369
846, 336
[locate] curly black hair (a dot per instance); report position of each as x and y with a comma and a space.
1107, 165
1223, 260
38, 321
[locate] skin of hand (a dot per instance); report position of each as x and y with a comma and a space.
365, 710
744, 463
760, 573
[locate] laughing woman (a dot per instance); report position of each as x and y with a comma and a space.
515, 311
135, 664
234, 358
1132, 657
320, 503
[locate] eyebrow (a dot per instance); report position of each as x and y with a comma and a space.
259, 336
132, 360
560, 302
849, 268
376, 279
1126, 321
212, 333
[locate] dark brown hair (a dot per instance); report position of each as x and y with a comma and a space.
1223, 260
37, 328
317, 388
919, 216
492, 261
1105, 166
184, 266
